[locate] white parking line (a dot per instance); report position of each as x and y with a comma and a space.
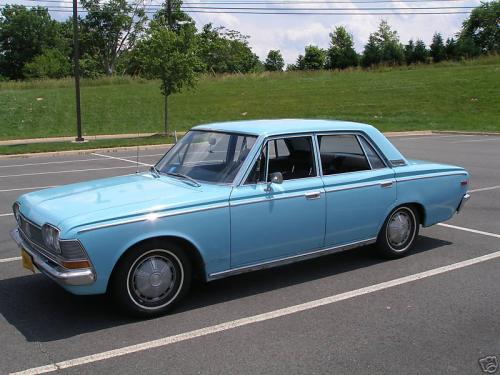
470, 230
484, 189
2, 215
114, 157
162, 342
70, 171
28, 188
5, 260
72, 161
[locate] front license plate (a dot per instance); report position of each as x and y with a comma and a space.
27, 261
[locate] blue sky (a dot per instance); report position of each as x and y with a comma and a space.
291, 33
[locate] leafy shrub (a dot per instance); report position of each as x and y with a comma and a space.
52, 63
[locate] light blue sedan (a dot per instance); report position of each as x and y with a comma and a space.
230, 198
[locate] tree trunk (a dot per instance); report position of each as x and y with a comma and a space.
165, 131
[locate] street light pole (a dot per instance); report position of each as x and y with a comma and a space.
169, 21
76, 58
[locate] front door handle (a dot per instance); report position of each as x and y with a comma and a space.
313, 195
386, 184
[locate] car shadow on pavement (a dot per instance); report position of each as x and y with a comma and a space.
43, 312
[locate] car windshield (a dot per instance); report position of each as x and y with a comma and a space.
206, 156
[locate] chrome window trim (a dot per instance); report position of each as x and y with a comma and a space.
382, 157
364, 152
367, 139
151, 216
319, 167
275, 137
290, 259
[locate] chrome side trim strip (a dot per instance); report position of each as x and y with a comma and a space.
430, 175
270, 197
290, 259
357, 186
154, 216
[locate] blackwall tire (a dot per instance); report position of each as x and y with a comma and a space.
399, 232
151, 279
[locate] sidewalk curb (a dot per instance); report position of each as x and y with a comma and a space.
406, 133
465, 132
13, 142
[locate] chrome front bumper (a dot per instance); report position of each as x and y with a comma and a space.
83, 276
463, 201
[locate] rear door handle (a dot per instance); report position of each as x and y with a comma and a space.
313, 195
386, 184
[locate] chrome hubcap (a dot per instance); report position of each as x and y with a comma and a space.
399, 228
153, 278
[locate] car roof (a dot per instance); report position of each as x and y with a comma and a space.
285, 126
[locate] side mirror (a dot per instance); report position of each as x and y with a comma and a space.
274, 178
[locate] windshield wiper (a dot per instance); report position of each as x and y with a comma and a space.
155, 172
192, 180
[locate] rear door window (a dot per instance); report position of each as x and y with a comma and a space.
341, 153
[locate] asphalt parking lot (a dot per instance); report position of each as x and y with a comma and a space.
435, 311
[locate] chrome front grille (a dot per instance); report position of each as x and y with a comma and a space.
30, 230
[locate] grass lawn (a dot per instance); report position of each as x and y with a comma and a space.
448, 96
66, 146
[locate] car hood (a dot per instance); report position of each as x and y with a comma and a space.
112, 198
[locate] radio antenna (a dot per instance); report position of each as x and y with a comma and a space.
137, 152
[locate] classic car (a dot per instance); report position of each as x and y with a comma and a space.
230, 198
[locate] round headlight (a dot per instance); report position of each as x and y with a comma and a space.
17, 211
50, 237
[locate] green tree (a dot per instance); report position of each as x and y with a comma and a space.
52, 63
300, 64
314, 58
421, 52
170, 56
451, 49
176, 19
226, 51
467, 47
482, 29
274, 61
24, 34
341, 53
437, 52
111, 28
387, 43
410, 52
372, 53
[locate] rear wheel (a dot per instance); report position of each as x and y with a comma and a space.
151, 278
399, 232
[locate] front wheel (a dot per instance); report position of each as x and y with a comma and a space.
151, 279
398, 234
